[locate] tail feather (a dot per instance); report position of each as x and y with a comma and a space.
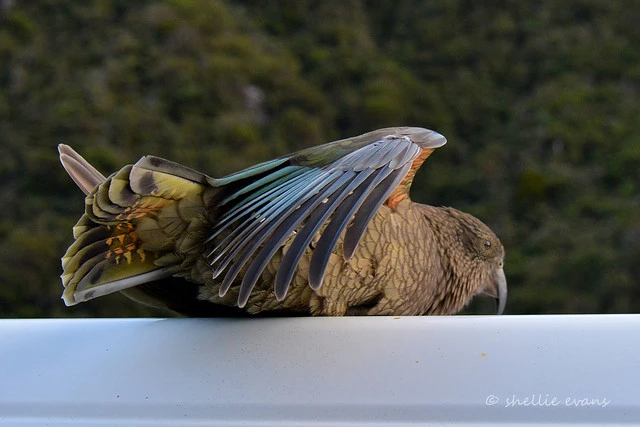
83, 174
138, 225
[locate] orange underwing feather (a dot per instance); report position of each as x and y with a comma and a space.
401, 192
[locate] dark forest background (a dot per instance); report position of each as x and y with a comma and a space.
539, 100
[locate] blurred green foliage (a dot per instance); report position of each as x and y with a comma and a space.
539, 100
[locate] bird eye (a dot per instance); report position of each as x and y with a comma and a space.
487, 244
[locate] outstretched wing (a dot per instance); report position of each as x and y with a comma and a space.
337, 186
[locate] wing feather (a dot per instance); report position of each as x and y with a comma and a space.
291, 258
263, 218
339, 186
338, 223
369, 208
280, 234
270, 191
268, 228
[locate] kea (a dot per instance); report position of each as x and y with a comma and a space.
328, 230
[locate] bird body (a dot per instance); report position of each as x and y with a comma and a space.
329, 230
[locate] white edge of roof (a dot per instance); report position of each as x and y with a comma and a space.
459, 370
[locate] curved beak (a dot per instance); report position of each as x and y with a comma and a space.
501, 284
499, 290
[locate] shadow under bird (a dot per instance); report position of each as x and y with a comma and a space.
329, 230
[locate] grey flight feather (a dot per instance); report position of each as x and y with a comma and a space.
263, 214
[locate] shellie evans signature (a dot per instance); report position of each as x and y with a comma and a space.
545, 400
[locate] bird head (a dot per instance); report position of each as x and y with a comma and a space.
474, 255
484, 255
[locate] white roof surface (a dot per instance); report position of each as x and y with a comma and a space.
460, 370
